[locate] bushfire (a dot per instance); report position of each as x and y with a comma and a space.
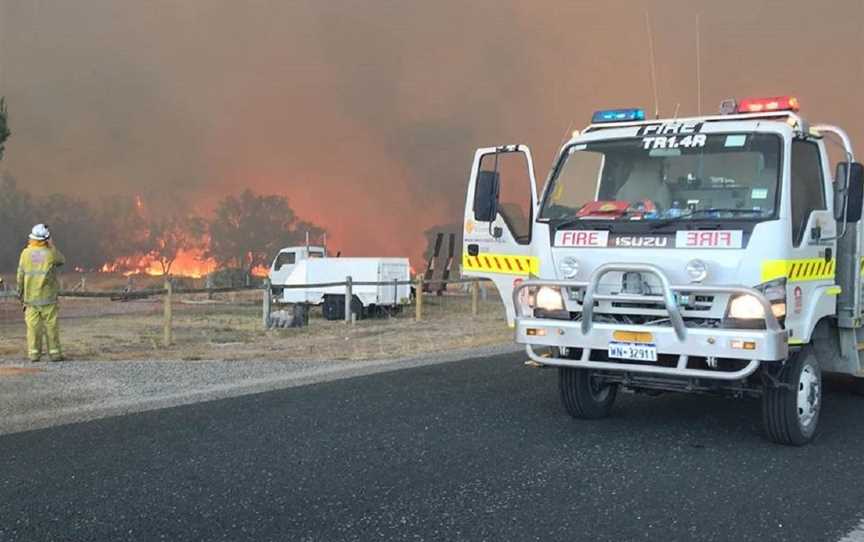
189, 263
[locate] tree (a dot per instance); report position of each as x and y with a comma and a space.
16, 219
122, 231
4, 126
172, 234
247, 230
75, 228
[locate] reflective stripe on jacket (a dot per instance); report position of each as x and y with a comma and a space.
37, 279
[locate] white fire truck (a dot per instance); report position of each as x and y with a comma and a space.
713, 254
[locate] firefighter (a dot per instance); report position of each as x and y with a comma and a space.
37, 289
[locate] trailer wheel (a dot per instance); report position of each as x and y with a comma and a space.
583, 396
790, 410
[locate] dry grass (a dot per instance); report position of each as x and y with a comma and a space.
229, 328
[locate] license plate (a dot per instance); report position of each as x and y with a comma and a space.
634, 351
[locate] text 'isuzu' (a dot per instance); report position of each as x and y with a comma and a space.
718, 254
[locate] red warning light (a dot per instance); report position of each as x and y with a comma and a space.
763, 105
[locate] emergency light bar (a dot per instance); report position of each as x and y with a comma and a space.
617, 115
765, 105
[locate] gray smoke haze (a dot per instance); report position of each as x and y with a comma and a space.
366, 114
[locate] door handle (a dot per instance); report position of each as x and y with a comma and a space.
473, 249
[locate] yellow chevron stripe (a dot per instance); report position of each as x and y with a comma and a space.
799, 270
508, 264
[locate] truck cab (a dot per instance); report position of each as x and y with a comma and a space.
287, 259
715, 254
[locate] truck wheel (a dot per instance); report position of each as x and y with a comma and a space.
333, 309
583, 396
357, 308
790, 410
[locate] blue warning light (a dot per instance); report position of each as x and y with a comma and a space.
618, 115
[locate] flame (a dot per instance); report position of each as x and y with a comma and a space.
260, 271
189, 263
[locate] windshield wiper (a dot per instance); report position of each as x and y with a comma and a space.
574, 221
697, 212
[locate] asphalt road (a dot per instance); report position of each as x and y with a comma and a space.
471, 450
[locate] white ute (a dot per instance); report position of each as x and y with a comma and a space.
311, 265
713, 254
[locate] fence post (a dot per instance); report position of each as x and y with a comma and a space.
418, 299
349, 296
167, 330
475, 296
395, 293
266, 305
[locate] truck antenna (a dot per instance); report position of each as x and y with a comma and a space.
653, 66
698, 66
567, 134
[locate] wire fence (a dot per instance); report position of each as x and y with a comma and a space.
192, 320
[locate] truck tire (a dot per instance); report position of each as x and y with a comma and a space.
582, 396
357, 308
790, 410
334, 307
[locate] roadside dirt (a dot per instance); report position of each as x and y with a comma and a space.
229, 327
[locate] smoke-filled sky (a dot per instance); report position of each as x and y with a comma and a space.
365, 114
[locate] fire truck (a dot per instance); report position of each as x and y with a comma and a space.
714, 254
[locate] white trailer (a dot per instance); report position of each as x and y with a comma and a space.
311, 265
716, 254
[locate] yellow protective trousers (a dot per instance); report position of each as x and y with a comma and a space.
42, 320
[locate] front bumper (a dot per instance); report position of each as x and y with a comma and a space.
676, 339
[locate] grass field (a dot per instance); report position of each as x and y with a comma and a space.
229, 327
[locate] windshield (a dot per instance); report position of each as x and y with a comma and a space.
699, 176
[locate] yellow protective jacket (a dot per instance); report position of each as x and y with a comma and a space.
37, 279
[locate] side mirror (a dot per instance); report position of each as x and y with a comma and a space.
840, 179
855, 193
486, 196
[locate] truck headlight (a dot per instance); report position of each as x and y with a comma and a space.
548, 299
775, 292
746, 307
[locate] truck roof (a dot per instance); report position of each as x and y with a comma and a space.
302, 247
789, 117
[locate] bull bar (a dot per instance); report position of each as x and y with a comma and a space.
770, 343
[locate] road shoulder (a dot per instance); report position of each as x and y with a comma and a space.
80, 391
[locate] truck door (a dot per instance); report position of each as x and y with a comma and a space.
282, 266
812, 268
499, 213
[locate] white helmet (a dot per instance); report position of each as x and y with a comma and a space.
40, 232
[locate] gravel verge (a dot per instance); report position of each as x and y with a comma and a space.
78, 391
